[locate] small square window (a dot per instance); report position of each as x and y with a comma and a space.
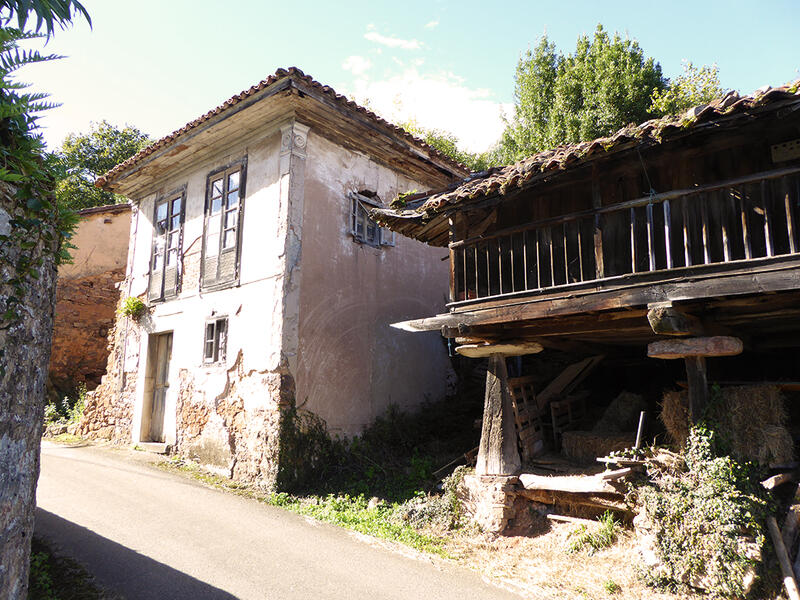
363, 229
215, 342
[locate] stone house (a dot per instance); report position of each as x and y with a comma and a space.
86, 297
265, 280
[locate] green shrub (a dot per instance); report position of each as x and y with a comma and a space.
132, 307
69, 409
701, 515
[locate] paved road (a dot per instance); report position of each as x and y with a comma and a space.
149, 534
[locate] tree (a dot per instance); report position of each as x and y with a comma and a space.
82, 158
32, 230
694, 87
447, 143
605, 84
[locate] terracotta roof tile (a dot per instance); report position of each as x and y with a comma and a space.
297, 75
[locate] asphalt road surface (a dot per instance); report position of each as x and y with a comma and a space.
149, 534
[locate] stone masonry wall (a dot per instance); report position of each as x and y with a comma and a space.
236, 432
84, 316
108, 413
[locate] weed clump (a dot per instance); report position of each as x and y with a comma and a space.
596, 540
702, 525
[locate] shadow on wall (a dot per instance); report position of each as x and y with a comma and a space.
121, 569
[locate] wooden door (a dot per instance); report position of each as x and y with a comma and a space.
160, 385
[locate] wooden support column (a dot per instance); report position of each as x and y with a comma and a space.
698, 386
498, 454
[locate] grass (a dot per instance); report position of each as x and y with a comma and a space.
57, 578
66, 438
603, 537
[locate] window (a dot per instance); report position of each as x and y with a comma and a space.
165, 258
364, 229
222, 232
216, 340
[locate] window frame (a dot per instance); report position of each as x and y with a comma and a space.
223, 173
219, 330
176, 234
360, 222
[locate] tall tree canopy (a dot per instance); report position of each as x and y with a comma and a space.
82, 158
447, 143
606, 83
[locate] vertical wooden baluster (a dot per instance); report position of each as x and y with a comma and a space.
464, 260
580, 250
668, 232
651, 239
687, 238
525, 256
767, 219
726, 242
633, 240
550, 250
787, 201
704, 215
475, 258
597, 233
500, 265
488, 271
566, 257
538, 263
511, 251
748, 248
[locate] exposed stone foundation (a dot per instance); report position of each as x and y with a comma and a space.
84, 316
238, 430
109, 408
489, 500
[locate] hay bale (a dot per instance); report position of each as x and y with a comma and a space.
621, 415
675, 416
586, 446
752, 417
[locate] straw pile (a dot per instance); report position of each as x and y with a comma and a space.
753, 418
621, 415
586, 446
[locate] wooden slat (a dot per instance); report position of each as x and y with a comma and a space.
767, 220
651, 240
633, 240
787, 201
525, 256
704, 217
511, 253
687, 239
668, 232
726, 242
748, 248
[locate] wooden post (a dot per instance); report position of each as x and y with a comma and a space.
497, 453
698, 386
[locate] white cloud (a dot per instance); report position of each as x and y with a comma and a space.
357, 65
393, 42
431, 24
436, 101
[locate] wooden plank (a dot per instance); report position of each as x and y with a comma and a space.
651, 238
789, 529
668, 232
767, 219
486, 349
726, 241
748, 247
771, 483
579, 484
497, 453
525, 256
787, 201
789, 582
687, 239
633, 240
568, 379
704, 226
617, 474
693, 347
576, 520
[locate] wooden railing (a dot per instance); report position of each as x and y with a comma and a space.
743, 219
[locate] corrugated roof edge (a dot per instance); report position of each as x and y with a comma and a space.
291, 72
500, 180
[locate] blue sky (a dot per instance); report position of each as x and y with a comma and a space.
157, 64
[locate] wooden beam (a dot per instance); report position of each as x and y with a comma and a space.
695, 347
578, 484
758, 277
668, 320
485, 349
789, 582
497, 453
